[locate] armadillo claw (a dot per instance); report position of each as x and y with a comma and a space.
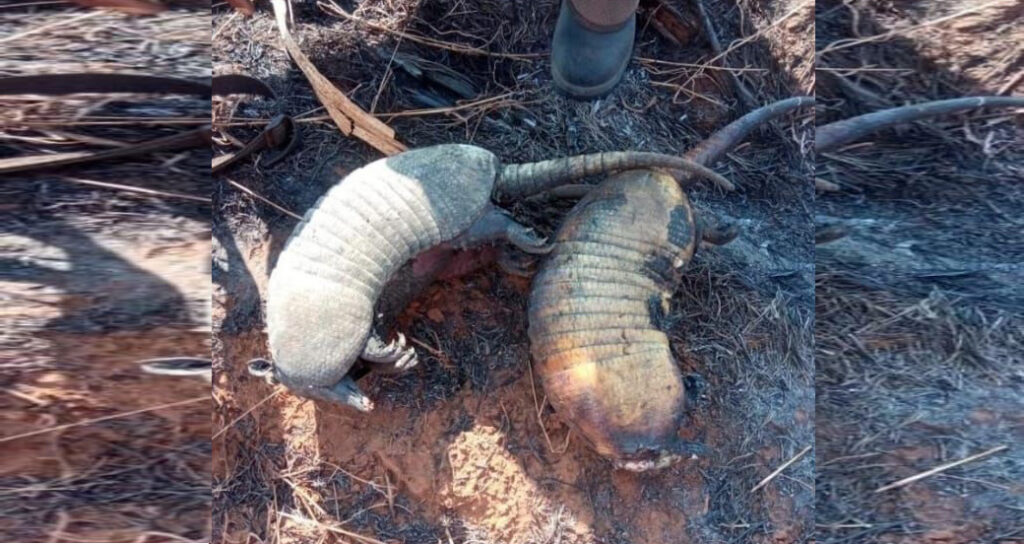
525, 239
407, 361
403, 360
376, 351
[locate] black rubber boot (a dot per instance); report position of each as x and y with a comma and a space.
585, 62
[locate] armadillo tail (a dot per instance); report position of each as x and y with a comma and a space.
835, 134
719, 143
522, 180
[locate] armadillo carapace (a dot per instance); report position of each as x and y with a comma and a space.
596, 315
598, 303
322, 293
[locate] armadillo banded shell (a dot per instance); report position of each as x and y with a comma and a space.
596, 309
331, 272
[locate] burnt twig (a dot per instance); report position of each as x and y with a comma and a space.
836, 134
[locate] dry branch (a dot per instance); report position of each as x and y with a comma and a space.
139, 190
104, 418
184, 140
671, 23
853, 42
349, 117
331, 528
264, 199
743, 41
709, 30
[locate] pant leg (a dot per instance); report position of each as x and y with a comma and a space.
604, 15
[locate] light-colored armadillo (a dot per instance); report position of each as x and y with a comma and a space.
323, 290
597, 307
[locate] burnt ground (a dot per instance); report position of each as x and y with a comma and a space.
93, 280
919, 309
464, 448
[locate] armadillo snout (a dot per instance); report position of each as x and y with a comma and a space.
649, 460
639, 452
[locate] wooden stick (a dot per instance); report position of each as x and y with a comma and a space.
941, 468
779, 470
746, 98
132, 7
225, 428
50, 26
349, 117
244, 7
174, 142
851, 42
136, 189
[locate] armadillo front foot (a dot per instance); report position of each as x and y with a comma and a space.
525, 239
379, 351
495, 224
517, 264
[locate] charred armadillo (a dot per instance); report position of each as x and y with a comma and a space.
598, 302
322, 293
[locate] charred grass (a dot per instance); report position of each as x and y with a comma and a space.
918, 322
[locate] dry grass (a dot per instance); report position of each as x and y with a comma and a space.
898, 373
919, 315
116, 497
93, 279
